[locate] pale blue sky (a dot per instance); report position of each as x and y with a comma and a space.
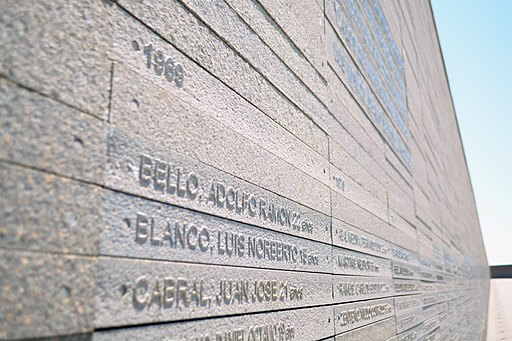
476, 39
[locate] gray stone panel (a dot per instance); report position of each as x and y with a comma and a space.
42, 133
409, 319
233, 170
301, 324
208, 94
412, 334
348, 262
45, 294
356, 288
354, 315
198, 42
57, 214
378, 331
407, 303
56, 48
406, 287
143, 291
141, 228
350, 237
146, 110
132, 165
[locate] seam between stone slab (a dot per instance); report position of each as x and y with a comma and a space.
194, 319
287, 65
220, 80
318, 201
192, 210
296, 47
351, 91
111, 90
286, 37
59, 175
247, 137
365, 111
206, 318
257, 68
217, 169
98, 257
30, 89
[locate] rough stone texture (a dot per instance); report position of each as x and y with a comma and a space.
45, 294
354, 315
302, 155
195, 39
356, 288
124, 173
136, 227
56, 48
301, 324
45, 134
147, 111
379, 331
212, 97
56, 214
348, 262
350, 237
142, 291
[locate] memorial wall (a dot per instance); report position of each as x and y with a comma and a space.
233, 170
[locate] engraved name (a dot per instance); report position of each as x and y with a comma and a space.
407, 321
180, 293
402, 270
411, 336
356, 263
407, 304
362, 288
166, 179
365, 313
353, 238
401, 254
406, 287
189, 236
279, 331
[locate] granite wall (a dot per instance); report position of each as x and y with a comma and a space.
233, 170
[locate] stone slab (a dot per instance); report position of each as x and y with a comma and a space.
350, 237
404, 270
378, 331
409, 319
412, 334
55, 47
300, 324
146, 110
131, 43
41, 211
130, 292
191, 36
356, 288
134, 162
141, 228
406, 287
346, 262
405, 304
354, 315
45, 134
45, 294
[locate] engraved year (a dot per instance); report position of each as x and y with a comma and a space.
162, 65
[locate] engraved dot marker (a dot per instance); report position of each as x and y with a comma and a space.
135, 45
